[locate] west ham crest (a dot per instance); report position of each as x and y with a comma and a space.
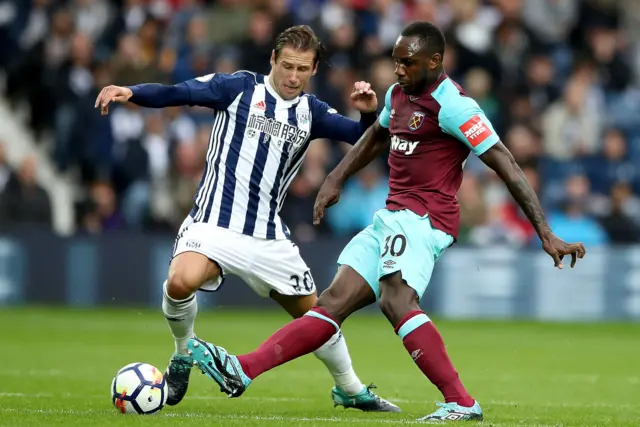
415, 121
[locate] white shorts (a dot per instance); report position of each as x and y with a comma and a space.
264, 264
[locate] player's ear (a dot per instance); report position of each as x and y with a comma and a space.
273, 58
435, 61
315, 69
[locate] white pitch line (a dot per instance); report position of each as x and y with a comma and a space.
368, 421
307, 399
31, 373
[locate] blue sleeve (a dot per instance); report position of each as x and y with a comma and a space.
385, 116
327, 123
463, 118
215, 91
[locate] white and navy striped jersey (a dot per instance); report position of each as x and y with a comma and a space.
257, 145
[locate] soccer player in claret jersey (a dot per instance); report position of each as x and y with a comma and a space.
431, 126
262, 127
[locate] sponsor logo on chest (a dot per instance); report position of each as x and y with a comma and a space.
272, 128
402, 145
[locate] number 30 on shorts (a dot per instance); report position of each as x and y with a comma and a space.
394, 245
307, 282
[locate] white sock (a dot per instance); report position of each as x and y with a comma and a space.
335, 355
181, 317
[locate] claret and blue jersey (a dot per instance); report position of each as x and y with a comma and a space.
258, 142
431, 137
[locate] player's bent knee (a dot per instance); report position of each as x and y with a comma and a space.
330, 300
188, 273
180, 287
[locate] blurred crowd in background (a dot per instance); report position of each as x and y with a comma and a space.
558, 79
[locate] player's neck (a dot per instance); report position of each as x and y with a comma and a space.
274, 86
431, 80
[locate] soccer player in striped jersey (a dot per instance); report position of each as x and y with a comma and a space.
262, 127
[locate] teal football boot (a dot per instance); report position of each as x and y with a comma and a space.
455, 412
220, 366
177, 377
366, 401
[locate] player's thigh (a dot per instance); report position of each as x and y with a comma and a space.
362, 254
199, 258
278, 267
409, 246
192, 270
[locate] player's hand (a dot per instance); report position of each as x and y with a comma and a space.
112, 94
363, 98
557, 249
328, 196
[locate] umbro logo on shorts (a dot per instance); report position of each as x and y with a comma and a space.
389, 263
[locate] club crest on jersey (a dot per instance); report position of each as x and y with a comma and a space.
302, 117
416, 120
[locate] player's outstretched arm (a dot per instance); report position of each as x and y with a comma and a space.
150, 95
214, 91
371, 145
499, 158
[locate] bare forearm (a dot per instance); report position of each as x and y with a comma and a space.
528, 200
369, 146
502, 162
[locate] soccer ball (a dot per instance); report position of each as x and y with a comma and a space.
139, 388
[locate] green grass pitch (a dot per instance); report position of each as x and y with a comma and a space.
57, 365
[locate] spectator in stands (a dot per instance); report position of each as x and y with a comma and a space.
558, 71
256, 48
360, 199
573, 220
571, 128
100, 211
622, 222
24, 204
72, 88
612, 164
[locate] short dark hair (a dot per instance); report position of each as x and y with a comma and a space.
300, 37
430, 36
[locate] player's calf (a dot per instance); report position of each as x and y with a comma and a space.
188, 271
421, 339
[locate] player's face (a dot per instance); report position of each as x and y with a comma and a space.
292, 70
415, 68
